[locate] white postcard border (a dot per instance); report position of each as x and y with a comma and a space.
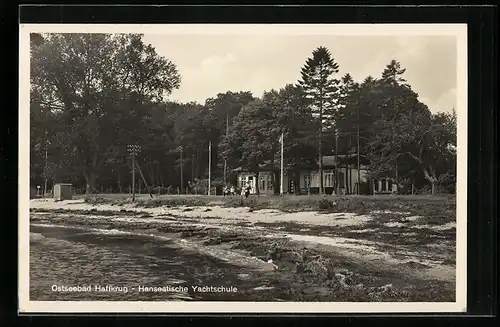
27, 306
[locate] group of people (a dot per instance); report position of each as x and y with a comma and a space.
226, 190
230, 190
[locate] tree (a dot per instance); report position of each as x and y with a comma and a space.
97, 85
445, 142
393, 74
347, 120
410, 140
250, 141
403, 132
223, 108
292, 116
194, 128
321, 89
36, 39
359, 108
158, 140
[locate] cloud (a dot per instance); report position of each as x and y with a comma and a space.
256, 63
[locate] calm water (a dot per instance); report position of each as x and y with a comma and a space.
72, 257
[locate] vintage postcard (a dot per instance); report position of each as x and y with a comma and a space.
243, 168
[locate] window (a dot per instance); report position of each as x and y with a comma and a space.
375, 185
389, 185
341, 179
262, 181
384, 185
328, 179
269, 183
313, 179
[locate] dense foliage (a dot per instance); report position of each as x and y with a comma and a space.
94, 94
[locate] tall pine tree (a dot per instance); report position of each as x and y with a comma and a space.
347, 120
322, 90
393, 74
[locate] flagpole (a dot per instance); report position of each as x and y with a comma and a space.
209, 164
225, 158
281, 179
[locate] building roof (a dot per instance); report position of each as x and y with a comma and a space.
264, 166
328, 161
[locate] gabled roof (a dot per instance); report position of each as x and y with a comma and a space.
328, 161
264, 166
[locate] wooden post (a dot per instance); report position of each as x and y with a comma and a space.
182, 176
133, 149
397, 179
209, 164
192, 167
46, 171
227, 135
133, 176
336, 170
359, 169
281, 173
144, 180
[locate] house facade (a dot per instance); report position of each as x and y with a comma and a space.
307, 181
385, 186
265, 181
347, 180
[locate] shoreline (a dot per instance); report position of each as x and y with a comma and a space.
416, 250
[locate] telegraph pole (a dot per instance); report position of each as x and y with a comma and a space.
46, 161
225, 157
281, 176
134, 152
182, 175
397, 166
209, 164
133, 149
144, 180
336, 181
359, 170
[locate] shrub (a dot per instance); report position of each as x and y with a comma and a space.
95, 199
447, 183
325, 204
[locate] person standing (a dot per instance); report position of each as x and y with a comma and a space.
247, 190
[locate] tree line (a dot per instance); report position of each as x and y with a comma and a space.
94, 94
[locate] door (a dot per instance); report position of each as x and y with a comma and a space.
266, 184
251, 180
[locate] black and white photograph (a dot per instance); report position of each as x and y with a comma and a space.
243, 168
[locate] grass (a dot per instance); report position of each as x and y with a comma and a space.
291, 203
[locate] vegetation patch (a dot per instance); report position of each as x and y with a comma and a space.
437, 207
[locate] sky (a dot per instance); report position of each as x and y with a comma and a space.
211, 64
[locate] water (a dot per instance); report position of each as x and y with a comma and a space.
71, 257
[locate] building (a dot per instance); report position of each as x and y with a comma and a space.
307, 181
267, 175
